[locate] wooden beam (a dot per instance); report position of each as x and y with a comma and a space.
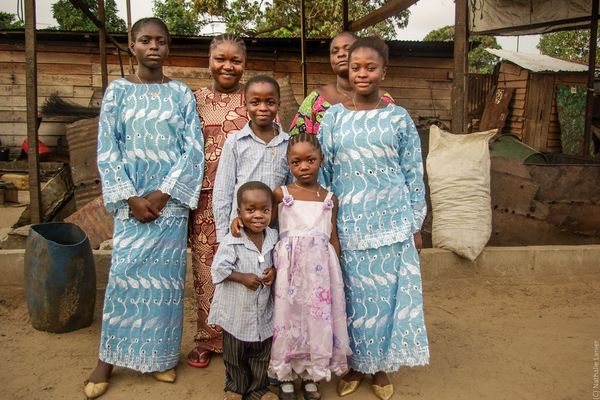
390, 8
345, 21
102, 44
86, 11
589, 108
129, 39
303, 47
459, 84
35, 196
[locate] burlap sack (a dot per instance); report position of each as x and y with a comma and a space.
458, 167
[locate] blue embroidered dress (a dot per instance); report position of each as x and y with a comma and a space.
149, 138
373, 165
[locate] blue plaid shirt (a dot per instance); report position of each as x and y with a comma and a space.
244, 313
247, 158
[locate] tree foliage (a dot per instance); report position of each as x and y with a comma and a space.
281, 18
70, 18
10, 21
179, 17
480, 61
569, 45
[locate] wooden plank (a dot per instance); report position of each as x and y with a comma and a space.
19, 90
387, 10
17, 102
17, 139
13, 116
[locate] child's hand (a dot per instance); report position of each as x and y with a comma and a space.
268, 276
236, 226
418, 241
142, 209
251, 281
158, 199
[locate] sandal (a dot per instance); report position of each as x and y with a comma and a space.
199, 355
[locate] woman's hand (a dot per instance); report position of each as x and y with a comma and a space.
158, 199
142, 209
418, 241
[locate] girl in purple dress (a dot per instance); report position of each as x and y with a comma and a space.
310, 338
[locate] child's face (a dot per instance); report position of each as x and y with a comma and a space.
262, 103
226, 64
255, 210
304, 161
366, 70
151, 45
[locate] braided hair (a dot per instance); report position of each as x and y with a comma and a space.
301, 138
227, 37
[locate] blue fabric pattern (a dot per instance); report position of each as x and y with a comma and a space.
149, 138
244, 313
373, 165
246, 158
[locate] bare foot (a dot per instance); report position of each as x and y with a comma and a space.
101, 373
381, 379
353, 375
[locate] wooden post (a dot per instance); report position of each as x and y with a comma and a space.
129, 38
345, 21
459, 84
102, 44
589, 107
303, 48
35, 196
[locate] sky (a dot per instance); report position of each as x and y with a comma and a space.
425, 16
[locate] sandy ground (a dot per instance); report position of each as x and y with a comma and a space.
489, 339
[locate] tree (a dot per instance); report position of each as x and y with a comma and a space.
281, 18
179, 16
569, 45
70, 18
480, 61
10, 21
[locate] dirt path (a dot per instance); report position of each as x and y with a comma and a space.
489, 339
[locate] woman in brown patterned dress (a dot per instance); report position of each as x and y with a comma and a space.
222, 111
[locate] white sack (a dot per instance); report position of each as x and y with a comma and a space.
458, 169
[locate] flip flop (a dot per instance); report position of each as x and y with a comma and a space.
199, 354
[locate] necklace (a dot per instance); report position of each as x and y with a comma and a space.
308, 190
154, 95
356, 108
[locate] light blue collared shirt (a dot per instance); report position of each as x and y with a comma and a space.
247, 158
245, 313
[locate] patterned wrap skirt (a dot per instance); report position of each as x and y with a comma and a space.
384, 305
143, 306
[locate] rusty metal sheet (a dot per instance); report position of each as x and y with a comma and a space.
82, 137
582, 218
516, 230
567, 183
516, 195
95, 221
56, 192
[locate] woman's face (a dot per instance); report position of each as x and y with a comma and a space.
151, 45
226, 64
366, 70
338, 53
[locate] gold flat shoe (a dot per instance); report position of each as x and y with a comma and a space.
167, 376
93, 390
344, 388
383, 392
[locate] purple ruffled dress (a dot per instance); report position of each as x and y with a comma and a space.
310, 336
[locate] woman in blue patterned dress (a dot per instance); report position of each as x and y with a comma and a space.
373, 165
150, 159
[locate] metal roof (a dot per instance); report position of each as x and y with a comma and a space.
538, 62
